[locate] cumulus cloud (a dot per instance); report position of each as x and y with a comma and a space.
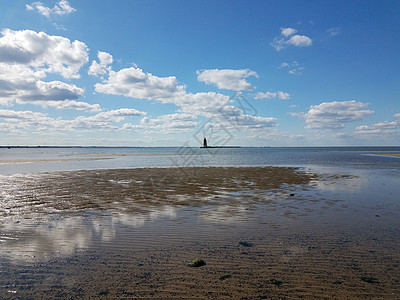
26, 59
255, 122
384, 132
288, 31
334, 115
44, 53
227, 79
68, 104
16, 116
104, 120
299, 41
103, 66
22, 84
133, 82
272, 95
166, 123
35, 121
383, 127
283, 95
52, 91
62, 8
289, 38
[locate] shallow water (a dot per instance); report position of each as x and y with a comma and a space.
28, 160
130, 234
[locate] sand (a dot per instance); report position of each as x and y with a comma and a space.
264, 233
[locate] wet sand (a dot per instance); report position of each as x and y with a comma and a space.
264, 233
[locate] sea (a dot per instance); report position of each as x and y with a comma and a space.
52, 159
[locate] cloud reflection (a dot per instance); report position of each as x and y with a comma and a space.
41, 237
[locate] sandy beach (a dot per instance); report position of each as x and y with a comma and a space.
263, 233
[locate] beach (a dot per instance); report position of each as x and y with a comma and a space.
263, 232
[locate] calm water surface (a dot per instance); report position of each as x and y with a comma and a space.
28, 160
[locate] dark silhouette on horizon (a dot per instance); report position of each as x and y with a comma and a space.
205, 143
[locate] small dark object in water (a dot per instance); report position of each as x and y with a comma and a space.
276, 282
195, 263
338, 282
246, 244
104, 293
291, 195
369, 279
225, 277
377, 215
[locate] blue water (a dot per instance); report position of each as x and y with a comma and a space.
30, 160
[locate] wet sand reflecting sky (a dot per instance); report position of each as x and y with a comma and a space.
131, 233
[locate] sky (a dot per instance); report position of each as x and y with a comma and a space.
169, 73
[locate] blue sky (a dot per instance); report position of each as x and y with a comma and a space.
168, 73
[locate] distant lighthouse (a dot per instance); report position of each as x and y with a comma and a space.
205, 143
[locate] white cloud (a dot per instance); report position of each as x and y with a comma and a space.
381, 133
288, 31
384, 127
228, 79
51, 91
287, 38
101, 121
209, 104
299, 41
16, 116
334, 115
293, 68
272, 95
166, 123
68, 104
35, 121
255, 122
379, 126
42, 52
62, 8
103, 66
23, 85
266, 95
283, 95
133, 82
26, 59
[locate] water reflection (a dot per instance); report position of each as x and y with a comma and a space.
58, 214
342, 183
225, 214
41, 237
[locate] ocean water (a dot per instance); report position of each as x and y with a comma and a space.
30, 160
